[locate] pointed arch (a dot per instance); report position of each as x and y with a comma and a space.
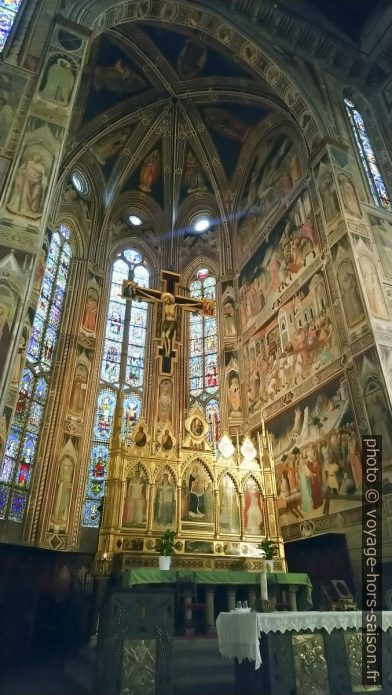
23, 440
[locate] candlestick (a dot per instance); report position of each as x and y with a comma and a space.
263, 586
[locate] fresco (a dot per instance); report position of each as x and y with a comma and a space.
273, 173
317, 455
369, 273
350, 292
278, 262
11, 91
233, 385
296, 344
382, 235
377, 406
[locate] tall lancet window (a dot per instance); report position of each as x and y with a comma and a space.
8, 11
22, 444
203, 354
122, 369
370, 165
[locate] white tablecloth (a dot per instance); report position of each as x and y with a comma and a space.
238, 633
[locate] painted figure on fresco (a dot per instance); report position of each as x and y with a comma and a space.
164, 505
78, 390
167, 442
229, 517
118, 78
165, 400
373, 289
350, 200
193, 177
31, 181
150, 171
328, 197
351, 298
59, 83
197, 427
229, 327
6, 119
254, 518
89, 323
7, 308
110, 145
234, 395
140, 437
382, 234
63, 493
226, 124
135, 506
191, 59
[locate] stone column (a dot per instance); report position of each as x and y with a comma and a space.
210, 614
188, 616
230, 593
252, 596
293, 597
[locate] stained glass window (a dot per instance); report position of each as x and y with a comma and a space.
122, 369
22, 443
8, 11
370, 165
203, 354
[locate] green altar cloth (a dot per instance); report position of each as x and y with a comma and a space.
150, 575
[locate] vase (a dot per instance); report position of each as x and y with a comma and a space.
164, 562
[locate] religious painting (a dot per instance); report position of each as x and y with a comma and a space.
99, 460
274, 171
198, 244
349, 195
327, 190
58, 80
60, 512
79, 387
229, 318
15, 269
165, 400
29, 188
150, 171
310, 664
4, 166
191, 59
229, 510
136, 499
317, 455
165, 501
254, 523
90, 313
298, 343
371, 282
199, 547
348, 284
226, 124
376, 402
197, 497
233, 385
382, 235
103, 423
278, 262
118, 78
193, 177
386, 359
12, 87
109, 145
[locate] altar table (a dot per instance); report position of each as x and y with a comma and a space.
297, 586
300, 652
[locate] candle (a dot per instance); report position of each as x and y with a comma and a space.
263, 586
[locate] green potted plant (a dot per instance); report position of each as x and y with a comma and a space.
269, 550
166, 547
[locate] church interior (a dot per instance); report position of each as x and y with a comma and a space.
195, 341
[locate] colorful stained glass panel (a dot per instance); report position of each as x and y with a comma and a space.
4, 494
104, 416
18, 504
91, 513
13, 441
7, 469
6, 22
132, 409
111, 362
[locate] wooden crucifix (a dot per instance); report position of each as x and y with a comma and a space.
170, 301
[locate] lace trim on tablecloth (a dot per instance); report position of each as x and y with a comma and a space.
331, 620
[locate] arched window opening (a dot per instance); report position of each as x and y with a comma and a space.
203, 354
370, 165
22, 443
8, 13
122, 369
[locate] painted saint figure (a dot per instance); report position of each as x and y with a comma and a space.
29, 186
59, 82
135, 500
164, 505
150, 171
254, 519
